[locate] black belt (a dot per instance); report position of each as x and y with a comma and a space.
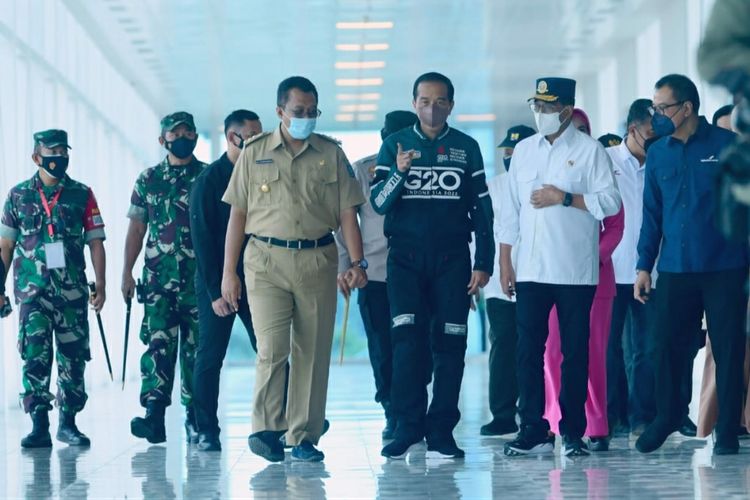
296, 244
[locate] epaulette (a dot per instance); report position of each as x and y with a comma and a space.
329, 139
255, 138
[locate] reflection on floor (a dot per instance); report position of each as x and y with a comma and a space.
120, 466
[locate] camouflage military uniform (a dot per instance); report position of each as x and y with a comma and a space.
160, 200
52, 300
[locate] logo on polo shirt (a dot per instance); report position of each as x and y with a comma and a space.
710, 159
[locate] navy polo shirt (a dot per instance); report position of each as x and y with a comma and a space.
679, 206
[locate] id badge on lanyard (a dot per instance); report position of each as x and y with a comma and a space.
54, 251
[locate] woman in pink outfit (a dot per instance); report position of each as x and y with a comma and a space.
600, 318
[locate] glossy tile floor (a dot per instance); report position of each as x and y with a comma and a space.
120, 466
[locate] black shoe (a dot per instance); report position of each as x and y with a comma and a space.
742, 433
282, 434
653, 437
67, 431
688, 428
39, 436
526, 444
398, 448
726, 445
191, 427
266, 444
306, 452
443, 449
389, 431
498, 428
599, 443
574, 447
150, 427
208, 442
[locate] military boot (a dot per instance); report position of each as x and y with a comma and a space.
151, 426
191, 426
39, 436
67, 431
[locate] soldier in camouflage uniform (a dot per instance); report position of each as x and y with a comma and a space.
159, 208
47, 220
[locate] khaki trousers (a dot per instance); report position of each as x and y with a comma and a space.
292, 296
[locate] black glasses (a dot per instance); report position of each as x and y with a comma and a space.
662, 108
300, 113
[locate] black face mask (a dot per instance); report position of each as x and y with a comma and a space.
182, 147
242, 141
55, 165
506, 162
649, 142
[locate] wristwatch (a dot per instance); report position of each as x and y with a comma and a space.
361, 263
567, 200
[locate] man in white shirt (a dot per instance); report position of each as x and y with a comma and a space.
561, 186
630, 382
501, 312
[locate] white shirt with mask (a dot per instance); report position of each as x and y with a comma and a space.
557, 244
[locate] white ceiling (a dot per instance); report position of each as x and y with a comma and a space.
212, 56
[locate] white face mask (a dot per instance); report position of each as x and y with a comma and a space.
547, 123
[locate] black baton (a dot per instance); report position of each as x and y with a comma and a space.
92, 287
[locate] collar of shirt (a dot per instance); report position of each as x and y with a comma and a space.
702, 132
418, 130
36, 183
625, 157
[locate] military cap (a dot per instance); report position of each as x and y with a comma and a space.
553, 88
515, 135
610, 140
169, 122
52, 138
397, 120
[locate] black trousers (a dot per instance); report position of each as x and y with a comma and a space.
534, 303
683, 297
630, 376
212, 347
374, 308
427, 291
503, 385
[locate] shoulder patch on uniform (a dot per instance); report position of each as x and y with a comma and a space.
329, 139
256, 137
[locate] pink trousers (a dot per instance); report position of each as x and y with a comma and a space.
596, 403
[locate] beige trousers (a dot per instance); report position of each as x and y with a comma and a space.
708, 410
292, 296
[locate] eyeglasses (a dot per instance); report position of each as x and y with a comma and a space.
542, 107
662, 108
300, 113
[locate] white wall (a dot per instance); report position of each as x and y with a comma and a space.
53, 76
662, 38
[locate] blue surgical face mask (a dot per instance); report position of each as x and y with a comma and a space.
301, 128
663, 125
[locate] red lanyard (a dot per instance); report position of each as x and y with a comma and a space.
48, 206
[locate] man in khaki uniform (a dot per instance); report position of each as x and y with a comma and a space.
289, 190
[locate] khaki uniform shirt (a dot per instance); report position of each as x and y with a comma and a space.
292, 197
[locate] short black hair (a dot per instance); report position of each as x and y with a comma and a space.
721, 112
434, 77
239, 117
683, 89
294, 82
639, 112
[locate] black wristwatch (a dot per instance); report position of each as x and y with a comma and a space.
361, 263
567, 200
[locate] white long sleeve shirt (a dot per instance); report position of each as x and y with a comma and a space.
498, 188
557, 244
